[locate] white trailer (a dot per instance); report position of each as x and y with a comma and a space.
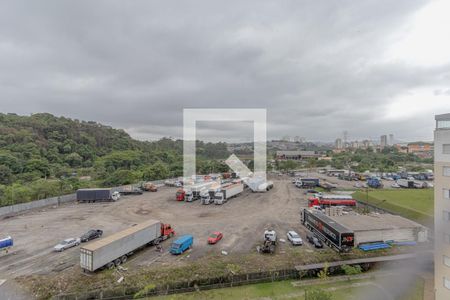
114, 249
227, 192
405, 183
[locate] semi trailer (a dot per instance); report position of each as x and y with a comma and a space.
115, 249
327, 230
228, 192
408, 184
308, 183
97, 194
331, 200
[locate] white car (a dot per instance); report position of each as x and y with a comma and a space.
294, 238
66, 244
395, 185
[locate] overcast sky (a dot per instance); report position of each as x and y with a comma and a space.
318, 67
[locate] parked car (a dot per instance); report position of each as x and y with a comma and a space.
66, 244
312, 239
91, 234
215, 237
294, 238
395, 185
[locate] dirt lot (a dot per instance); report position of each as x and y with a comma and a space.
242, 220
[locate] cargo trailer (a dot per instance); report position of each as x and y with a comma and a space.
97, 194
114, 250
228, 192
327, 230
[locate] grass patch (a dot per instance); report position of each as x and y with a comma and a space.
346, 290
414, 204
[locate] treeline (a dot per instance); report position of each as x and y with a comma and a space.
388, 160
42, 155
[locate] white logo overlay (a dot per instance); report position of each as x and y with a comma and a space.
257, 116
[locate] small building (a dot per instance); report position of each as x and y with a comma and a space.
296, 155
420, 147
376, 227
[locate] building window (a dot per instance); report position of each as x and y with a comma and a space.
447, 283
446, 215
443, 124
447, 171
446, 194
447, 238
446, 148
447, 261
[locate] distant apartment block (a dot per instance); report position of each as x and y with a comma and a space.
442, 206
383, 141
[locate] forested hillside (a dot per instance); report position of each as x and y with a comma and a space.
42, 155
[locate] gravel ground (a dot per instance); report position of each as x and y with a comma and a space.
242, 220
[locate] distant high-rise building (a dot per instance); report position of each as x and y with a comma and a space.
345, 137
442, 207
338, 144
383, 141
391, 140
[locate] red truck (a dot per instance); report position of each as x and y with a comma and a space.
313, 201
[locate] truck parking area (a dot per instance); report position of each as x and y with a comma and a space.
242, 221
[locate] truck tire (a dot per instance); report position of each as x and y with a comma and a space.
110, 266
117, 262
124, 259
170, 234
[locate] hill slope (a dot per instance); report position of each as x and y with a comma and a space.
43, 155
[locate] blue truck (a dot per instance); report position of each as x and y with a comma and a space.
374, 182
182, 244
6, 244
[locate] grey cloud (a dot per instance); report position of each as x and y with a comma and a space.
315, 65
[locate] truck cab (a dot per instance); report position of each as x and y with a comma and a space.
167, 230
182, 244
219, 198
180, 195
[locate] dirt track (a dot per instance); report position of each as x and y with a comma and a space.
242, 220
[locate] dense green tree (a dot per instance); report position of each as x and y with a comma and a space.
121, 177
156, 171
74, 159
6, 175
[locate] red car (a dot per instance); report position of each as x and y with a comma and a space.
215, 237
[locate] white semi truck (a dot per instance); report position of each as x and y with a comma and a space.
114, 250
228, 192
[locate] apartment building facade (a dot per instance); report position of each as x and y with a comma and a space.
442, 206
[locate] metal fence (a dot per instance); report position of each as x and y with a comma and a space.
17, 208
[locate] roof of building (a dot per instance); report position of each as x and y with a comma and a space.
443, 117
375, 222
118, 235
338, 226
